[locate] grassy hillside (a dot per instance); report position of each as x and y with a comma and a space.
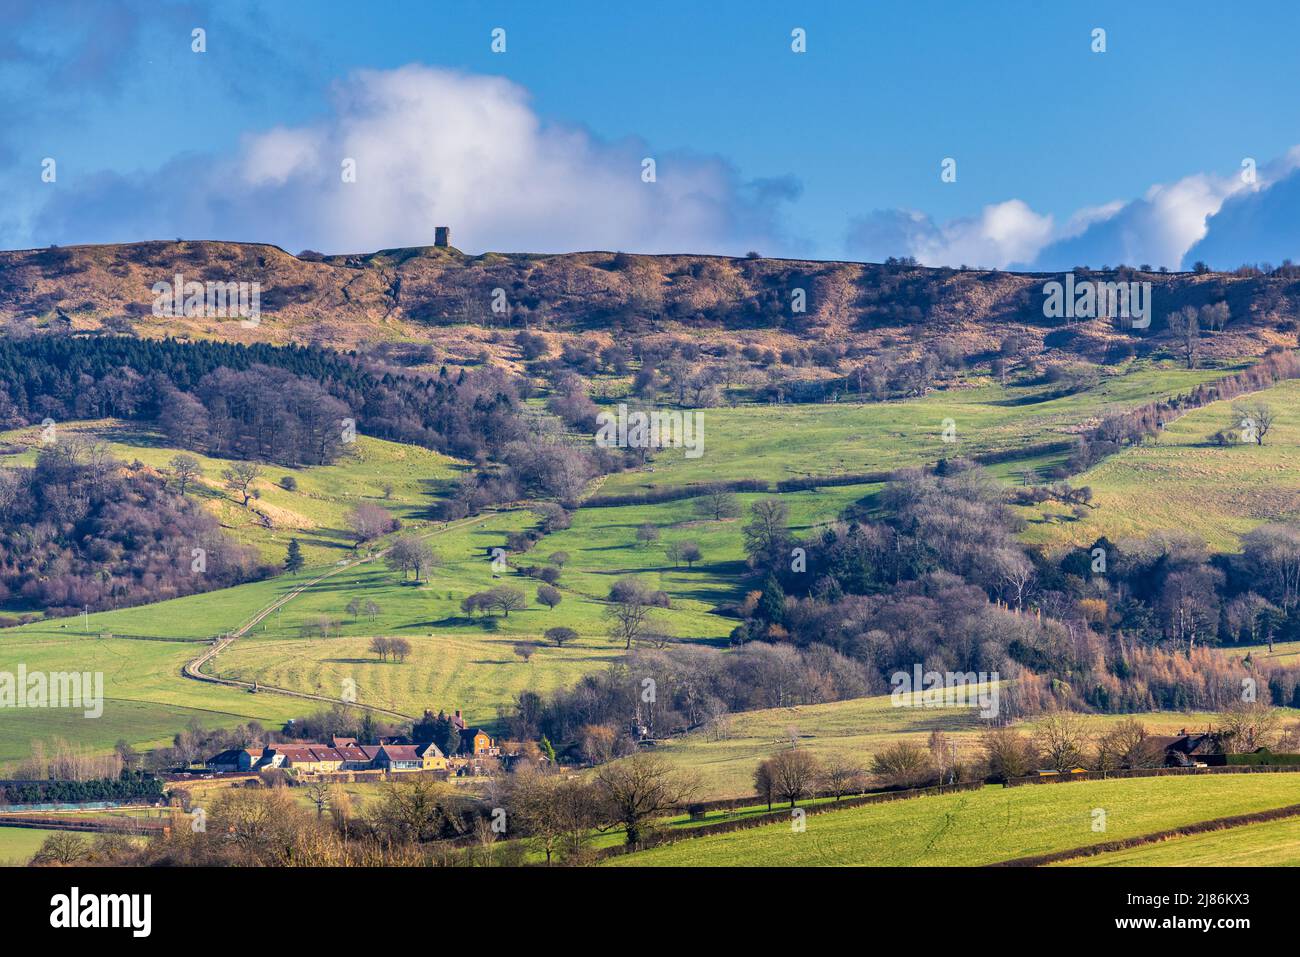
314, 513
724, 761
470, 662
981, 827
789, 441
1181, 480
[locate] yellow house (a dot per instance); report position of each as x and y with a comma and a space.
432, 757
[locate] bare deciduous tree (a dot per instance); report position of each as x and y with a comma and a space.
640, 788
186, 469
795, 774
1062, 738
240, 477
718, 503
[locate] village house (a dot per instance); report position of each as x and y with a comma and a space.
478, 744
399, 757
234, 760
343, 754
1183, 750
310, 758
357, 757
476, 752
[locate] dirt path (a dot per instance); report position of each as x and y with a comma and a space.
194, 667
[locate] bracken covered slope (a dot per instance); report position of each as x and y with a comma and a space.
445, 300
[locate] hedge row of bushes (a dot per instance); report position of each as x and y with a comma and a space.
1263, 758
131, 786
673, 493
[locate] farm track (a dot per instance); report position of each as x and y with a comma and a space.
194, 667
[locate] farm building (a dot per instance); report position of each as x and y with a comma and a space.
1186, 750
234, 759
312, 758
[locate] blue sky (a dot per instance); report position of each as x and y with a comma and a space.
1063, 154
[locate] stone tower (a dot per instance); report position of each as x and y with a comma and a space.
442, 235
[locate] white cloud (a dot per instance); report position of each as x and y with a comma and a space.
1255, 225
1160, 228
1001, 234
434, 146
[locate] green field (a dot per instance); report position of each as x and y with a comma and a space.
470, 663
1181, 481
478, 675
788, 441
724, 760
1273, 844
982, 827
18, 844
146, 699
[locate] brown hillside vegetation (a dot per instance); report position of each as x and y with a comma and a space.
431, 304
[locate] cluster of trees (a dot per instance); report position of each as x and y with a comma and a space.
264, 826
341, 722
665, 691
1185, 326
80, 530
396, 648
1065, 740
796, 774
282, 404
502, 598
63, 760
412, 554
942, 582
544, 464
558, 815
135, 786
260, 413
1060, 740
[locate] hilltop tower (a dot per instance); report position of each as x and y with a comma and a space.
442, 235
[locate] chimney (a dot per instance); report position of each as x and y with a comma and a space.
442, 235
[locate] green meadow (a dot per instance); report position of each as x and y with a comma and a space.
776, 442
146, 701
1272, 844
1181, 480
18, 844
723, 759
981, 827
471, 662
